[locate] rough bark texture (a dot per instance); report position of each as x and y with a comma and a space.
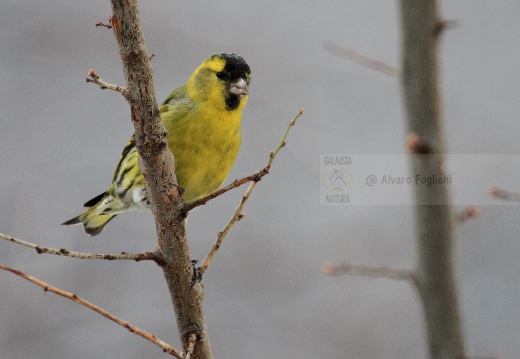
421, 27
157, 164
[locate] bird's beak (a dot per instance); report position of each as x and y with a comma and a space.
239, 87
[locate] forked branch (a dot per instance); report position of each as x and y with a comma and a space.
146, 256
255, 177
238, 215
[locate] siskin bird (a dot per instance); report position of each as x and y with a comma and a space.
203, 121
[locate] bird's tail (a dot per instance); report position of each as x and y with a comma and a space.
100, 212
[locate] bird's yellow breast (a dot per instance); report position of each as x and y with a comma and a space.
205, 146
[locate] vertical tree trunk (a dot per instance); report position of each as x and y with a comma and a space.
157, 165
436, 282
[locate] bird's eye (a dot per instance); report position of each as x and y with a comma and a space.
220, 75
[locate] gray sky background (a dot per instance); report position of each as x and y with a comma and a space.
60, 140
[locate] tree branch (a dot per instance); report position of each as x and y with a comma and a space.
500, 193
470, 212
104, 85
361, 59
435, 223
369, 271
238, 215
132, 328
146, 256
158, 166
255, 177
192, 340
102, 24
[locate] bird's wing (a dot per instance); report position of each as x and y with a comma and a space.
176, 106
128, 148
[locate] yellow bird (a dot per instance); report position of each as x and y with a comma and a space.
203, 122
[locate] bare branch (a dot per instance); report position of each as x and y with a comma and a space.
66, 253
132, 328
102, 24
104, 85
238, 212
470, 212
255, 177
497, 192
369, 271
157, 164
436, 282
361, 59
192, 340
415, 145
443, 25
221, 235
283, 141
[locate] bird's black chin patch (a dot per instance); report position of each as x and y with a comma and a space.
232, 101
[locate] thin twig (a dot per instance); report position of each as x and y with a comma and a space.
238, 215
497, 192
368, 271
361, 59
192, 340
49, 288
415, 145
255, 177
102, 24
104, 85
64, 252
470, 212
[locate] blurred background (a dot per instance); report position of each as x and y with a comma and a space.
61, 138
